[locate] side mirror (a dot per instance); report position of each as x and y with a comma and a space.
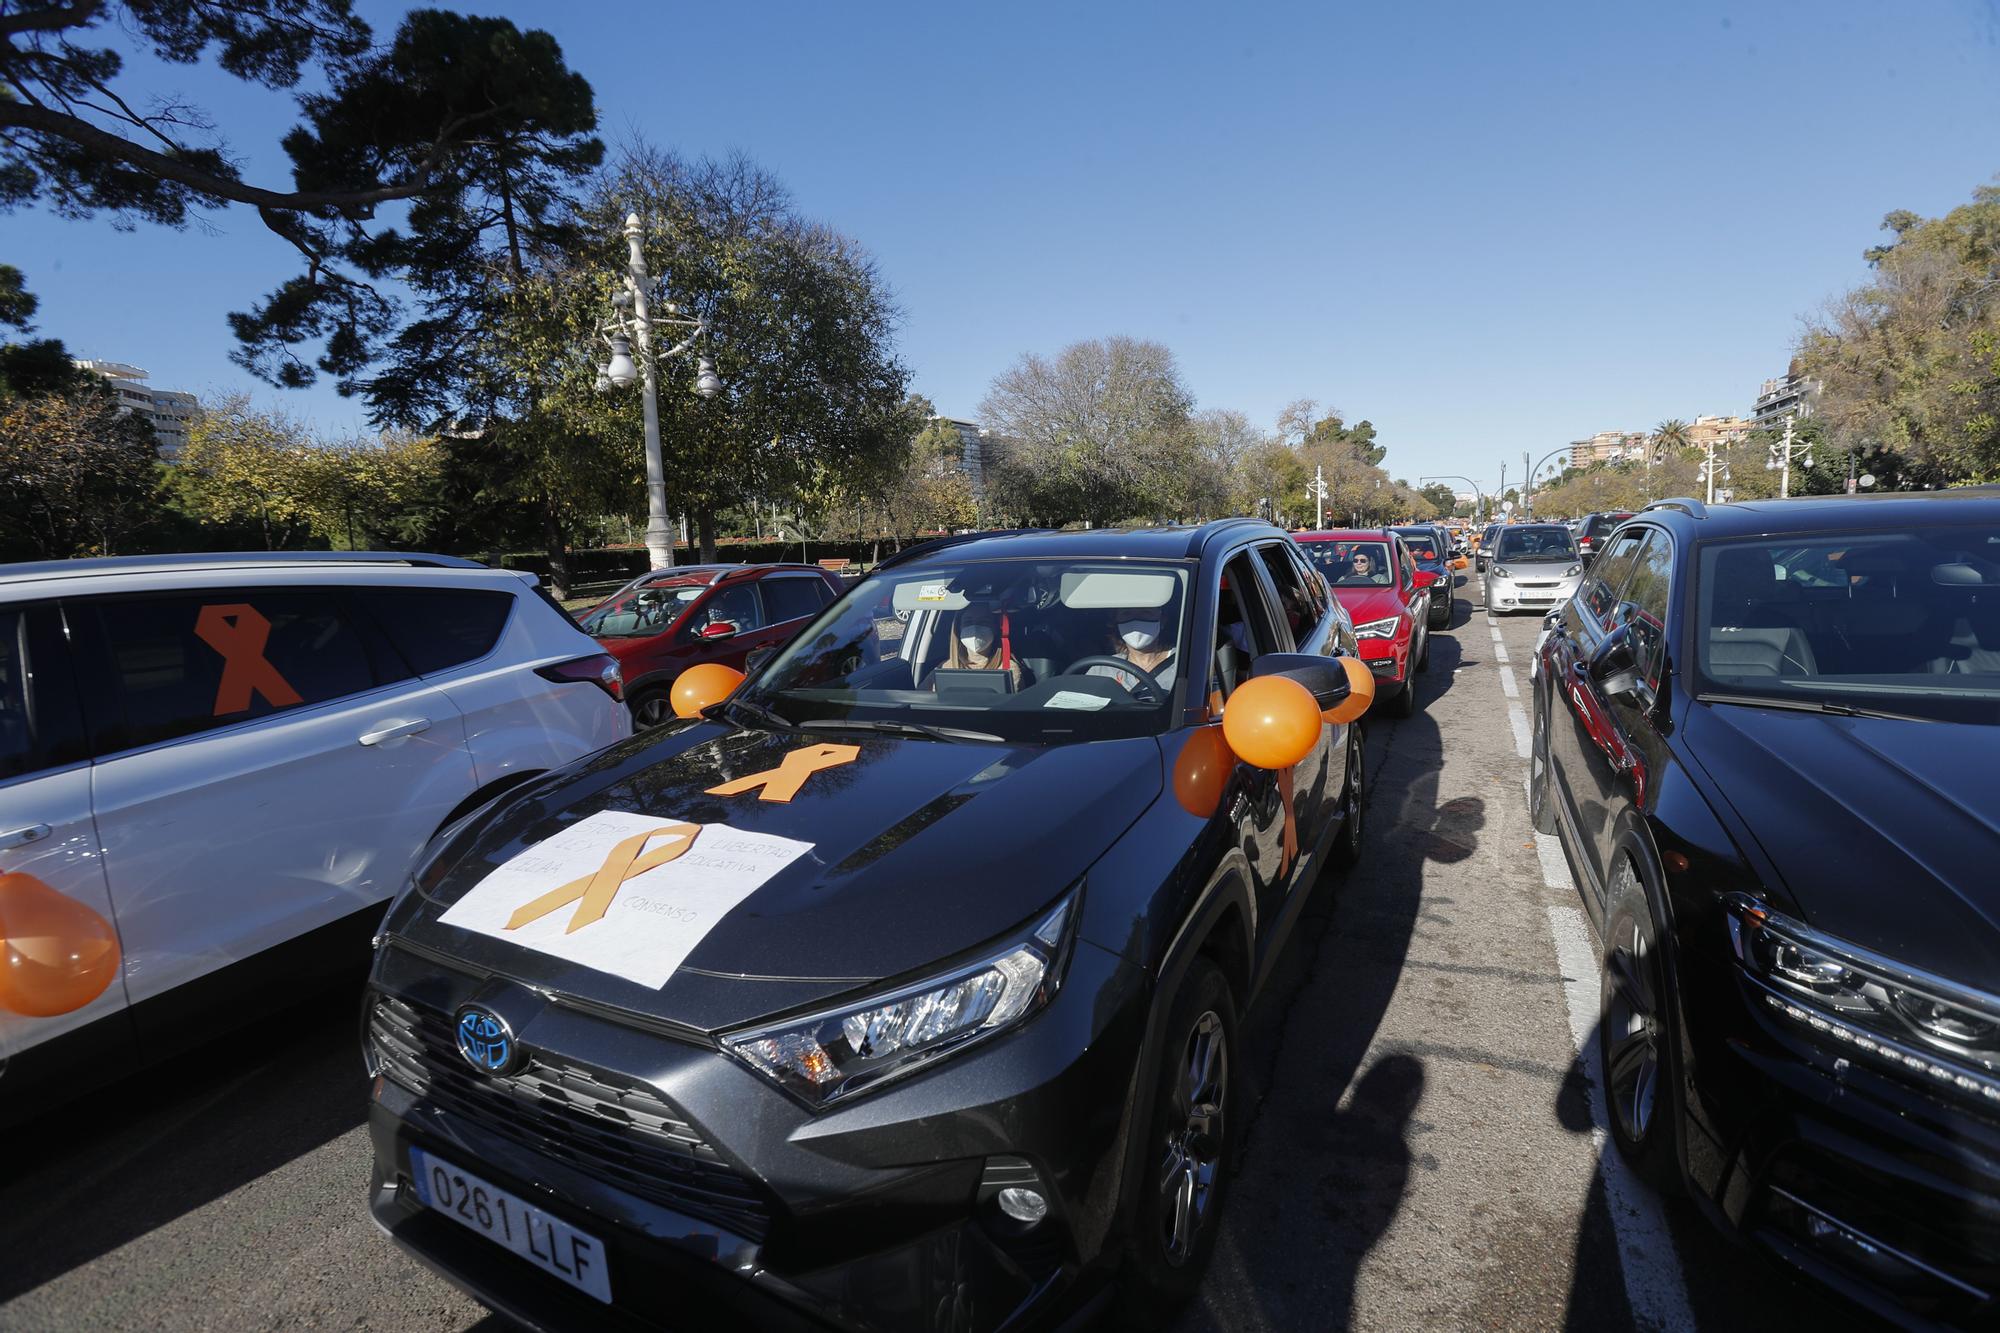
717, 629
754, 661
1324, 678
1613, 665
1424, 579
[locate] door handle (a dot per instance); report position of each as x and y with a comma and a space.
21, 837
395, 731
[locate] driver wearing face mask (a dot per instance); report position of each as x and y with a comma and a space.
1143, 637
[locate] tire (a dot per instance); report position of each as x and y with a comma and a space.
1635, 1038
1347, 844
1441, 621
1541, 775
650, 708
1405, 702
1424, 653
1188, 1159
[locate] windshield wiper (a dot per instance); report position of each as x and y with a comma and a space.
750, 708
1830, 706
898, 728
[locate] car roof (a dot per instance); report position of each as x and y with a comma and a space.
1179, 542
1820, 513
32, 571
1344, 535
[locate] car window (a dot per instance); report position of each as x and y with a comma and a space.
1422, 544
1244, 627
737, 606
190, 662
793, 597
39, 724
1359, 564
1646, 594
1607, 575
1409, 566
1298, 610
1315, 582
438, 628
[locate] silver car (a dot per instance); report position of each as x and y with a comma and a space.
1533, 567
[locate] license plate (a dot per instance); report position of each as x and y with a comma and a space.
549, 1243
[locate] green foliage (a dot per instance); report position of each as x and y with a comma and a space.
1910, 362
80, 476
1443, 500
17, 303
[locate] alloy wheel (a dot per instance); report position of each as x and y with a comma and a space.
1195, 1139
651, 710
1631, 1031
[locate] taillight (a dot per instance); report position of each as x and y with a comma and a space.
600, 669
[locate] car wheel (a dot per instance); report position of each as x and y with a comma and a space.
1441, 621
1634, 1036
1424, 651
1189, 1152
1347, 847
650, 709
1405, 702
1541, 778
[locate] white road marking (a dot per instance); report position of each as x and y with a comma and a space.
1499, 649
1507, 686
1645, 1244
1519, 721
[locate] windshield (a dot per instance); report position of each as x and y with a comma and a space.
1047, 651
1422, 543
1538, 545
644, 608
1906, 622
1351, 564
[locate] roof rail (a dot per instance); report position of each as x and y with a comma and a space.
955, 539
1687, 504
114, 564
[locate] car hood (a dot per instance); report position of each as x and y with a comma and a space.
1366, 604
1885, 833
920, 850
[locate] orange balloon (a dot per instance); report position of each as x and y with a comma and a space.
1360, 692
700, 686
1271, 721
1202, 770
56, 954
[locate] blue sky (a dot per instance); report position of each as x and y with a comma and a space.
1487, 228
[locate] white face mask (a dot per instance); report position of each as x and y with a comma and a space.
976, 638
1139, 633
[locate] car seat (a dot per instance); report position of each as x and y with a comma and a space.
1755, 629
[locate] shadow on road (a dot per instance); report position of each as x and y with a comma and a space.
127, 1159
1328, 1153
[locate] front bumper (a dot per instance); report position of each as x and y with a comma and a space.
1884, 1190
877, 1215
1389, 659
1528, 595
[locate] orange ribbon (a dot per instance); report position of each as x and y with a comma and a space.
593, 893
239, 632
783, 782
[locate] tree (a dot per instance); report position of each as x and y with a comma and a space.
242, 464
79, 476
456, 127
1442, 499
1910, 362
1669, 437
1095, 432
1222, 440
40, 366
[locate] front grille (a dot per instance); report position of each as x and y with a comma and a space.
614, 1130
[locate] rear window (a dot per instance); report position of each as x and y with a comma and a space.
435, 629
794, 597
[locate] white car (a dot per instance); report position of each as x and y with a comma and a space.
215, 771
1533, 567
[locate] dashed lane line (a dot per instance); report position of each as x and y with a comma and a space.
1507, 685
1518, 720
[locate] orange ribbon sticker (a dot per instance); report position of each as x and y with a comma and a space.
239, 632
593, 892
783, 782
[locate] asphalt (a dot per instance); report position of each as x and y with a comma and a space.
1424, 1145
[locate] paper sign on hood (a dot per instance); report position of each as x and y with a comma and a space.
627, 894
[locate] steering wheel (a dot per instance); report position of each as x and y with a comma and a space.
1148, 688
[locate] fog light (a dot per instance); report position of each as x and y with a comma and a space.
1024, 1205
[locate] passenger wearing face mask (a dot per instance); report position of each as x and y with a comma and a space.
1144, 637
982, 641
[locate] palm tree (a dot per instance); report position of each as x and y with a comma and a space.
1670, 435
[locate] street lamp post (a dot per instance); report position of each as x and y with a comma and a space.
632, 323
1782, 452
1528, 487
1478, 495
1318, 489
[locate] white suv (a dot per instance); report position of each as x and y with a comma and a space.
216, 769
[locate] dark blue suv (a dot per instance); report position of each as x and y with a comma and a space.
1431, 545
1766, 735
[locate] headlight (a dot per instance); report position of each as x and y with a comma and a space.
1377, 629
1572, 571
1502, 572
828, 1056
1923, 1026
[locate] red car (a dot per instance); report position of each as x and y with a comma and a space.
668, 620
1388, 598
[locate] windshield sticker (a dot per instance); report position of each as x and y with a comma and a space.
783, 782
1088, 703
623, 893
934, 592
